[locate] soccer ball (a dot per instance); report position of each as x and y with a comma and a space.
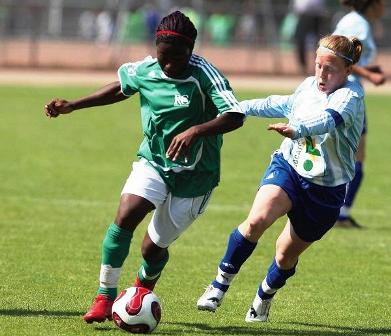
136, 310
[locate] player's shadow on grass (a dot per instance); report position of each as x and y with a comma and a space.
21, 312
269, 329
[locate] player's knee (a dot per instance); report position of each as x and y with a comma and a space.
284, 260
131, 213
124, 220
257, 224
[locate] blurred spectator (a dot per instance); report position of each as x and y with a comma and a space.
152, 19
247, 24
3, 19
103, 27
193, 16
287, 30
133, 26
308, 30
220, 28
139, 24
87, 25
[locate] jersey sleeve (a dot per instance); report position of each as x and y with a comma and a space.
271, 107
127, 75
341, 109
218, 89
320, 124
345, 102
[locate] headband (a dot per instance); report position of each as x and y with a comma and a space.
336, 53
174, 33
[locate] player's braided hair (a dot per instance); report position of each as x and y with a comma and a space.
358, 5
176, 28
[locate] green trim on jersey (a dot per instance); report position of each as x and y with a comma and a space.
170, 106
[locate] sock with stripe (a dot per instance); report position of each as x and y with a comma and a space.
148, 274
115, 249
238, 251
274, 280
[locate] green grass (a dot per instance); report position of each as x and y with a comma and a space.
59, 188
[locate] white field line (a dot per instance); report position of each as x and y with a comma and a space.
244, 207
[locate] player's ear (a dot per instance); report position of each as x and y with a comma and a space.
349, 69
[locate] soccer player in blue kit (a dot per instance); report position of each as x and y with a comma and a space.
358, 22
186, 106
307, 176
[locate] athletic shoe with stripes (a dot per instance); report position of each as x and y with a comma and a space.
259, 310
211, 299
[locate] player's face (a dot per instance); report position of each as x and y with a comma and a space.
331, 71
173, 59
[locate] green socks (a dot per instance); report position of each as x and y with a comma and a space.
115, 249
151, 273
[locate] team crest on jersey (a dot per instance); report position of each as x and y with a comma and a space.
181, 100
131, 70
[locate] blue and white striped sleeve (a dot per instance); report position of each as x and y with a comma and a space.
320, 124
271, 107
347, 102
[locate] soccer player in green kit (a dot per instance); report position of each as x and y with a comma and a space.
186, 106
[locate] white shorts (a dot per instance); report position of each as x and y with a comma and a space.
172, 215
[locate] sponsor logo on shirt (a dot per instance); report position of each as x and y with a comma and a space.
131, 70
181, 100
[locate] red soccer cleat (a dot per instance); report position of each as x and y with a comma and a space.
146, 284
100, 309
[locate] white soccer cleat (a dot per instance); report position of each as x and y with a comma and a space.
211, 299
259, 310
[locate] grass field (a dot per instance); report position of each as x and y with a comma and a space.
59, 187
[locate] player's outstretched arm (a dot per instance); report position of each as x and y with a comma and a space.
109, 94
181, 143
373, 73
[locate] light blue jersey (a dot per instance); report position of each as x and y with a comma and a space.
327, 129
354, 24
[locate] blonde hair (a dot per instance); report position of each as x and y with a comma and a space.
348, 48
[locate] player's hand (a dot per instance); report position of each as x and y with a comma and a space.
283, 129
56, 107
374, 68
377, 78
180, 144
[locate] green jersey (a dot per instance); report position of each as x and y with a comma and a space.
170, 106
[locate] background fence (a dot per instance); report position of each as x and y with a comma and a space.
246, 36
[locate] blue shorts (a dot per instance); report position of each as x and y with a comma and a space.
315, 208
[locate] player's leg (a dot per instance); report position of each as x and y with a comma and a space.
143, 191
115, 248
345, 219
155, 259
169, 221
314, 213
288, 248
271, 202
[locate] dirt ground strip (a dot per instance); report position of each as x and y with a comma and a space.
41, 77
